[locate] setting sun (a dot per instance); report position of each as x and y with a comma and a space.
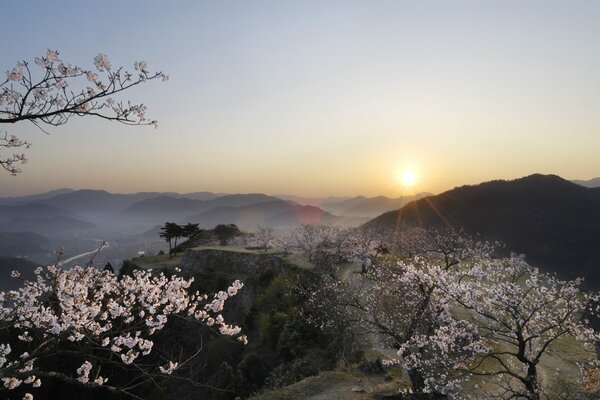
408, 178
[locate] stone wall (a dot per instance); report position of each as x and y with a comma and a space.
253, 269
195, 260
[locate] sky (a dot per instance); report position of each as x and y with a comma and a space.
319, 98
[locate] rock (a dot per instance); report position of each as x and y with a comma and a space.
358, 389
374, 366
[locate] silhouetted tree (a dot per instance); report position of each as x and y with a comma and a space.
226, 232
178, 232
190, 230
108, 267
168, 232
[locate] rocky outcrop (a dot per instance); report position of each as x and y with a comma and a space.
197, 260
215, 269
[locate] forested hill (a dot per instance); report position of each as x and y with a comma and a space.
556, 223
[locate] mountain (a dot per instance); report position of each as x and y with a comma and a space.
371, 207
556, 223
591, 183
277, 213
200, 195
312, 201
163, 208
49, 225
240, 200
96, 202
34, 197
32, 210
166, 208
22, 243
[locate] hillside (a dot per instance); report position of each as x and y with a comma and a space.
9, 264
369, 206
556, 223
22, 243
49, 225
34, 197
32, 210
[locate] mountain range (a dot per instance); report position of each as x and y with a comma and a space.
274, 213
71, 218
68, 209
555, 222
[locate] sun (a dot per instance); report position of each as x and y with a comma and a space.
408, 178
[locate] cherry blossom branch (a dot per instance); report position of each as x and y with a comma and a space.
64, 91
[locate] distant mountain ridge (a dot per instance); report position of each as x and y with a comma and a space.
44, 225
34, 197
140, 211
556, 223
33, 210
590, 183
369, 206
275, 213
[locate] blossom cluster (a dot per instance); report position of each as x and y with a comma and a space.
115, 316
10, 163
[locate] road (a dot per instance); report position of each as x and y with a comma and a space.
104, 245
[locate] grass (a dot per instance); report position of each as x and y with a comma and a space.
340, 384
299, 260
238, 249
158, 262
345, 270
163, 261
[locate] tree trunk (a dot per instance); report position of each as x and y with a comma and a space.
531, 382
416, 380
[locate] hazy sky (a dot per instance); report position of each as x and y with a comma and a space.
320, 97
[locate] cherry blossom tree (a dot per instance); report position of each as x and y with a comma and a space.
59, 91
104, 322
263, 237
405, 303
285, 242
521, 313
309, 237
336, 239
365, 244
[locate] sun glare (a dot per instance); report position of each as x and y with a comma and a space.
408, 178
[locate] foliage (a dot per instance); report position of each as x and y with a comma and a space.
225, 232
172, 232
